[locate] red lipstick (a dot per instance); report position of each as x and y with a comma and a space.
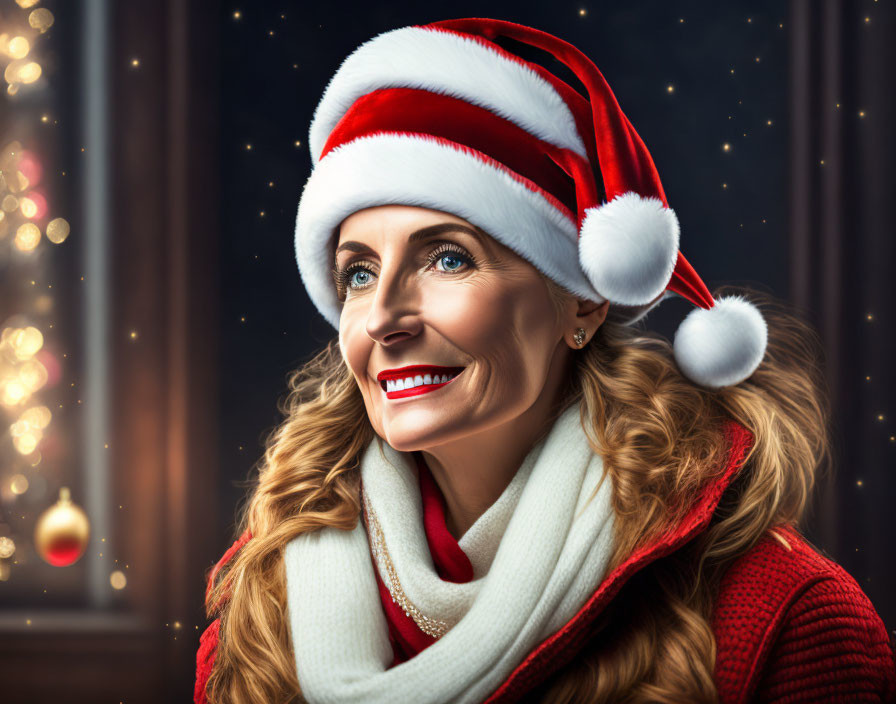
416, 370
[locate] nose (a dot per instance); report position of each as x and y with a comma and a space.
394, 313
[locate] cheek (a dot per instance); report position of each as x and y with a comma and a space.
489, 320
355, 346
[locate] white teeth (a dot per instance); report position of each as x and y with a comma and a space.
418, 380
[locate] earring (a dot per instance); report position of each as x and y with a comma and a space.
579, 337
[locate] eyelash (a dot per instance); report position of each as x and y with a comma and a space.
343, 276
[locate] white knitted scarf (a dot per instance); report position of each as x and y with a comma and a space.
538, 553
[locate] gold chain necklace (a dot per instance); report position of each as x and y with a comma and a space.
431, 626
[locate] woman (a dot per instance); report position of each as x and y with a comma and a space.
495, 488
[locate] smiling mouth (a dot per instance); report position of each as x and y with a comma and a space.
414, 384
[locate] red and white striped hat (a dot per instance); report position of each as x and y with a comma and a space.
442, 117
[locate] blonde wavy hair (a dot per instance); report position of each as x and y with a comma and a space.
662, 440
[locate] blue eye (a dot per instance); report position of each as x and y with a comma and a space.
452, 256
356, 270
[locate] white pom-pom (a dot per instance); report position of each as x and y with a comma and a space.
628, 248
722, 345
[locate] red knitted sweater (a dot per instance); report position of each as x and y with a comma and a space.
790, 625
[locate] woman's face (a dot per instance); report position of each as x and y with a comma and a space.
421, 288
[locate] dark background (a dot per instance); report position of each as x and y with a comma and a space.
204, 263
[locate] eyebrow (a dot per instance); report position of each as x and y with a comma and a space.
424, 233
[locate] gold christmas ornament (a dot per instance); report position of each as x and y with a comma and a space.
61, 533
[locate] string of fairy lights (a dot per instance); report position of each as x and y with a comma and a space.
29, 363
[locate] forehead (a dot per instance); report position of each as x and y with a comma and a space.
364, 229
400, 219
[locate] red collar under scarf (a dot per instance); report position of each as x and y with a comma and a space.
450, 561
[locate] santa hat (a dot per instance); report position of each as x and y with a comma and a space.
442, 117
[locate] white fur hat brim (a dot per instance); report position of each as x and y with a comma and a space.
424, 171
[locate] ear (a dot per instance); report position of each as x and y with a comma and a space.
587, 315
591, 313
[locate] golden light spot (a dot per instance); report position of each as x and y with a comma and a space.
7, 547
248, 147
726, 147
881, 417
18, 484
135, 62
768, 122
27, 237
670, 88
118, 580
133, 334
859, 482
861, 113
28, 207
582, 12
298, 143
724, 185
869, 316
26, 341
41, 19
237, 14
25, 4
29, 73
18, 48
57, 230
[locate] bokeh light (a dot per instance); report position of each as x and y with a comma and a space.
57, 230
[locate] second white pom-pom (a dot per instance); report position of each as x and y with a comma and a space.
723, 345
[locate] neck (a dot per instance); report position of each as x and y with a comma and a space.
473, 472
